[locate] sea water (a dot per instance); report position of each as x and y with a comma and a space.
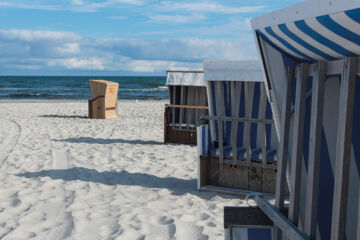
78, 88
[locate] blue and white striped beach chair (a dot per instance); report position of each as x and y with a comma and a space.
188, 100
310, 54
237, 149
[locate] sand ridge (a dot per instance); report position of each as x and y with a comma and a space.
65, 176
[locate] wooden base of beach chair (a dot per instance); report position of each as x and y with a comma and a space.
98, 110
254, 178
182, 136
178, 134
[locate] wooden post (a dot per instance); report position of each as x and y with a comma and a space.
248, 103
220, 106
343, 148
166, 112
297, 144
234, 123
181, 109
196, 114
262, 126
173, 109
312, 185
283, 148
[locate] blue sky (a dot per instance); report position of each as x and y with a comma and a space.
125, 37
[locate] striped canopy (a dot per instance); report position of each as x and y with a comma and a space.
185, 78
327, 37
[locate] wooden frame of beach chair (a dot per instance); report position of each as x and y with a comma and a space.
312, 74
237, 147
188, 101
104, 103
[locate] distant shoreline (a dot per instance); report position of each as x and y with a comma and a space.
73, 100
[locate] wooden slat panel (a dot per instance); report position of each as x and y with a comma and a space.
262, 110
285, 225
343, 149
283, 148
234, 123
297, 144
312, 187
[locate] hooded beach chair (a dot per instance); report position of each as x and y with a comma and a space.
310, 53
237, 148
188, 101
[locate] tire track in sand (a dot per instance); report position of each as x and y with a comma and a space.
61, 160
10, 141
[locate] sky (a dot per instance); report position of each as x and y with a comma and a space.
125, 37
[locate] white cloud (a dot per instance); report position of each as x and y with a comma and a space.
30, 6
118, 17
75, 6
35, 35
208, 7
177, 19
92, 63
78, 2
62, 51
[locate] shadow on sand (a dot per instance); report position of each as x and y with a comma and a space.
175, 185
106, 141
62, 116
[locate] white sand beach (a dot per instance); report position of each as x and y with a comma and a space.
64, 176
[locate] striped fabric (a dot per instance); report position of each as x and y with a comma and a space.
243, 233
327, 37
185, 78
246, 93
327, 160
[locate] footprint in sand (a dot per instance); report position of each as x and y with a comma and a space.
179, 231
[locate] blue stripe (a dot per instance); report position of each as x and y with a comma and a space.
268, 127
254, 114
295, 59
286, 44
354, 14
307, 126
333, 26
259, 234
356, 126
213, 93
321, 39
227, 103
297, 39
240, 133
326, 190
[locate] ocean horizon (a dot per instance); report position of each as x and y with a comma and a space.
78, 87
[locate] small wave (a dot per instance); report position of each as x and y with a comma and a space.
27, 95
161, 88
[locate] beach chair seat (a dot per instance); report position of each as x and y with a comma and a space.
271, 154
214, 151
256, 154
